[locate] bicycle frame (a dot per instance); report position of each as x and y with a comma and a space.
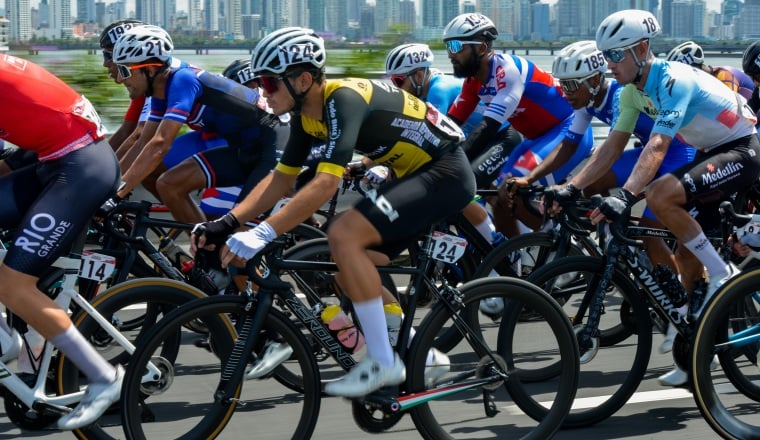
35, 397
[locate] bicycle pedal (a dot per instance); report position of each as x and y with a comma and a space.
489, 404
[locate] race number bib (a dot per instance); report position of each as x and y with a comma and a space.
448, 248
96, 267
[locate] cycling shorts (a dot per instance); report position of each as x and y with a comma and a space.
717, 175
51, 202
675, 158
19, 158
532, 152
191, 143
487, 165
402, 209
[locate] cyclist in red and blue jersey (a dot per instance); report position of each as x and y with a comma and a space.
50, 202
209, 103
515, 90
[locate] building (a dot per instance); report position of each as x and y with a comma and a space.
20, 17
4, 31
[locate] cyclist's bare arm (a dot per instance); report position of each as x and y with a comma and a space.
129, 141
150, 156
132, 151
124, 130
602, 159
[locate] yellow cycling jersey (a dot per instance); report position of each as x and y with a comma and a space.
378, 120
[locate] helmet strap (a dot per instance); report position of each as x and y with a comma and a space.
418, 88
297, 97
594, 90
640, 64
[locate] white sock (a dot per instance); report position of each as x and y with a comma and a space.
523, 228
486, 229
702, 249
372, 318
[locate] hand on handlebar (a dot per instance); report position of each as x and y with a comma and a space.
614, 207
509, 188
242, 246
209, 235
107, 207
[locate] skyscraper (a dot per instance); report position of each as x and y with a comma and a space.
20, 16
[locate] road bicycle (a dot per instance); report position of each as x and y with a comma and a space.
35, 401
729, 397
453, 405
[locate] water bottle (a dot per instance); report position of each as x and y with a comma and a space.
30, 356
393, 317
343, 328
670, 285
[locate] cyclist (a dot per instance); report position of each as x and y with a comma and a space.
210, 104
698, 109
409, 67
50, 203
751, 66
391, 127
692, 54
517, 91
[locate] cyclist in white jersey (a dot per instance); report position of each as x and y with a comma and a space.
697, 108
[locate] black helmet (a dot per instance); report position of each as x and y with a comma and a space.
751, 59
239, 71
113, 31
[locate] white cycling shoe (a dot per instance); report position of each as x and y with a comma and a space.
367, 376
97, 399
274, 354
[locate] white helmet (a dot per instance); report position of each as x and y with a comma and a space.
407, 57
470, 25
687, 52
578, 60
624, 28
143, 43
288, 47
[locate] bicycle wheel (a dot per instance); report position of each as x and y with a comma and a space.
729, 397
471, 412
599, 395
184, 403
148, 298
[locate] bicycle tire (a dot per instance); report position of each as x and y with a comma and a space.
552, 338
632, 358
159, 295
208, 417
726, 396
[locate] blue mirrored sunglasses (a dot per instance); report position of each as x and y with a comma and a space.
456, 46
617, 55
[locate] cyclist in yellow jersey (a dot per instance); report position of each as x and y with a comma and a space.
380, 121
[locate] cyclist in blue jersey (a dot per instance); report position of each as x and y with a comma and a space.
409, 67
517, 91
210, 104
698, 109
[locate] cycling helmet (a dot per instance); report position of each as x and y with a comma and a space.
113, 31
239, 71
288, 47
625, 28
470, 25
751, 59
688, 52
578, 60
143, 43
407, 57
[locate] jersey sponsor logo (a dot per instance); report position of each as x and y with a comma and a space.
666, 124
500, 75
728, 172
43, 235
689, 181
383, 204
18, 63
416, 131
671, 113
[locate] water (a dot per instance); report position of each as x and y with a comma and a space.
112, 108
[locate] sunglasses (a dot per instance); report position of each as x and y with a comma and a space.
107, 55
270, 83
572, 85
456, 46
618, 55
398, 80
126, 71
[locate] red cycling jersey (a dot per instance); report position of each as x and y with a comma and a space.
41, 113
135, 109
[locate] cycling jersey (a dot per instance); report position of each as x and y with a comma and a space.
136, 109
382, 122
516, 91
442, 93
695, 107
32, 96
735, 79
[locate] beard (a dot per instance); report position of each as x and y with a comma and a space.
468, 68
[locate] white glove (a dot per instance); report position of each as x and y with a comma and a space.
749, 234
249, 243
377, 174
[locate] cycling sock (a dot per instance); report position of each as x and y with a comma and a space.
702, 249
486, 229
83, 355
371, 316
